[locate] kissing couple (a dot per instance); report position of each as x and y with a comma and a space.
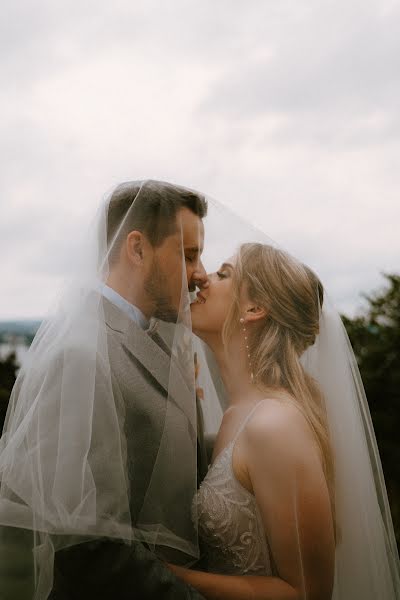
178, 431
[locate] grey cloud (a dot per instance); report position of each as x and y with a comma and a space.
339, 66
294, 121
38, 40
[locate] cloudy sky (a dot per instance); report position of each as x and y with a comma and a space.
286, 111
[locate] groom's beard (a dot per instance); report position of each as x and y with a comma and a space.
156, 288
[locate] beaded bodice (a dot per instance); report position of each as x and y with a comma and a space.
229, 522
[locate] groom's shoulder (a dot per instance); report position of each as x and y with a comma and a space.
75, 356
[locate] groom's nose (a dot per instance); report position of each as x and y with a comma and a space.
200, 277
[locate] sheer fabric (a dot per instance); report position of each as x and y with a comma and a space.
105, 400
76, 459
366, 555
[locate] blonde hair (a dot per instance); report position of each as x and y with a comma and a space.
292, 296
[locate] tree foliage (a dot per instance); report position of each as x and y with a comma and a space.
8, 373
375, 337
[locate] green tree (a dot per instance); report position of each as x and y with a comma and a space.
8, 373
375, 338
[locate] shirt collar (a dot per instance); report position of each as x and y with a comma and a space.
130, 309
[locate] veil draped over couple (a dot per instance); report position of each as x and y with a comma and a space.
190, 422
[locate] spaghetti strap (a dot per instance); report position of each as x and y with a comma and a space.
246, 420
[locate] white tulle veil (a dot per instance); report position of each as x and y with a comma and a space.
366, 557
64, 451
70, 467
367, 560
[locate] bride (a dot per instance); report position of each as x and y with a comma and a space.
281, 513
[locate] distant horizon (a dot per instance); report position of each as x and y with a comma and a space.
345, 307
356, 310
21, 319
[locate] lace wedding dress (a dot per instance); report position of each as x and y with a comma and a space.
230, 526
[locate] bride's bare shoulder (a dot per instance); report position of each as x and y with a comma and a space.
279, 425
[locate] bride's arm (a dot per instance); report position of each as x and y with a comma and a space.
236, 587
292, 495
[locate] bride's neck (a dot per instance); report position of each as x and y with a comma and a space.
235, 372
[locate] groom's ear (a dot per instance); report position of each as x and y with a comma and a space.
135, 247
254, 313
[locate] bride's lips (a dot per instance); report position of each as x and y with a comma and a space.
199, 299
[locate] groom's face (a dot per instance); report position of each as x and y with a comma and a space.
175, 266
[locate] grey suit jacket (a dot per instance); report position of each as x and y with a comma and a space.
102, 568
143, 375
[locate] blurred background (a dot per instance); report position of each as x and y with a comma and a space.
285, 111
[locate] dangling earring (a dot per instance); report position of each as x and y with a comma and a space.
246, 341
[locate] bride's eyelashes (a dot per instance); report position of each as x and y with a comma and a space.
225, 271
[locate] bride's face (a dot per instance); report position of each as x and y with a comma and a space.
211, 308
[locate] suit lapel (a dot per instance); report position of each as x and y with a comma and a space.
155, 359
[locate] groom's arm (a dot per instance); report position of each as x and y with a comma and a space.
104, 569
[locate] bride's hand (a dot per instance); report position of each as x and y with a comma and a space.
181, 572
174, 568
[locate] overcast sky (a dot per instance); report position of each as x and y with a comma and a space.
288, 111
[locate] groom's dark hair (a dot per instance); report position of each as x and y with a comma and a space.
149, 207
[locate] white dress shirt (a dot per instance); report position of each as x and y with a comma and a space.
130, 309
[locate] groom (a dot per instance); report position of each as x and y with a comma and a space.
134, 296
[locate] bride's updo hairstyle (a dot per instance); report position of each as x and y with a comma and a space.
292, 296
